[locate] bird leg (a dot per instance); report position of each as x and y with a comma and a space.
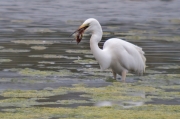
123, 76
114, 74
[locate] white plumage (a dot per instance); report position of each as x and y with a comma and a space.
117, 54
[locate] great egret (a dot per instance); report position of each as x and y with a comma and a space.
117, 54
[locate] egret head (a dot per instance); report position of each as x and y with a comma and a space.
90, 25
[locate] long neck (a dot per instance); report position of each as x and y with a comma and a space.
102, 56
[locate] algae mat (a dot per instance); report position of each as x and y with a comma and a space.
118, 100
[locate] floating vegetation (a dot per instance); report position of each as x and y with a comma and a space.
141, 37
16, 102
152, 71
136, 37
25, 65
86, 61
89, 56
28, 42
33, 72
54, 56
45, 30
38, 47
5, 79
106, 33
172, 38
162, 76
14, 50
144, 112
142, 32
93, 69
55, 67
112, 27
79, 51
169, 67
175, 21
97, 71
171, 87
67, 102
141, 24
1, 47
21, 21
5, 60
26, 94
42, 65
32, 93
46, 62
126, 98
136, 34
123, 34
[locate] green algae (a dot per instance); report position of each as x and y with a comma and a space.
55, 67
85, 61
142, 32
89, 56
16, 102
67, 102
100, 73
44, 30
45, 62
54, 56
33, 93
25, 65
170, 38
175, 21
162, 77
21, 21
35, 42
141, 24
45, 73
144, 112
112, 27
171, 87
95, 70
152, 71
5, 60
116, 92
24, 80
5, 79
135, 37
38, 47
26, 94
79, 51
107, 33
14, 50
169, 67
33, 72
124, 92
147, 35
1, 47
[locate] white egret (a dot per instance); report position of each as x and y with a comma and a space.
119, 55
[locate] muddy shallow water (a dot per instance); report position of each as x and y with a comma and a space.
42, 66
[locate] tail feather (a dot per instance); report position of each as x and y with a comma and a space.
142, 56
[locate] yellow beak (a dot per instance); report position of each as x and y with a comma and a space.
80, 32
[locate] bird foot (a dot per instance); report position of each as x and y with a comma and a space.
120, 79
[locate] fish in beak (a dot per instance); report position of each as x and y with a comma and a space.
80, 32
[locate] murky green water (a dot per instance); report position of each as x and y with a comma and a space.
41, 66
